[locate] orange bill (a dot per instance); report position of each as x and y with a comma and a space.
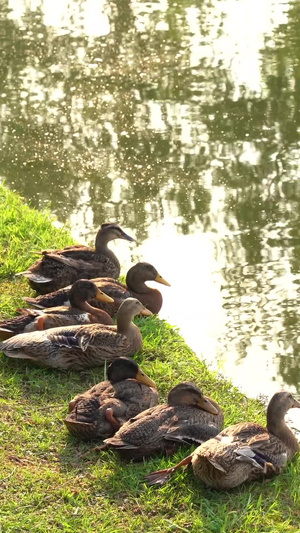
160, 279
103, 297
143, 378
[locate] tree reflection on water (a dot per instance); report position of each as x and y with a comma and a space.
142, 115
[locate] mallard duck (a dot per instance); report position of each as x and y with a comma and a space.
78, 312
100, 411
59, 268
243, 452
187, 417
136, 288
79, 347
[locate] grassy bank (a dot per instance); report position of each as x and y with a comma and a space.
46, 482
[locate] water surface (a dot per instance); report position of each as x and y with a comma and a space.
179, 120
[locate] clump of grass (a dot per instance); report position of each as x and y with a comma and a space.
23, 232
48, 481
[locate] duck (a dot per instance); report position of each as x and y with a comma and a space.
59, 268
83, 346
135, 287
188, 416
243, 452
79, 311
99, 412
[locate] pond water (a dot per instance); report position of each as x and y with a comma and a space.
181, 121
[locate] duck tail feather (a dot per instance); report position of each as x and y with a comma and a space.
38, 278
160, 477
31, 301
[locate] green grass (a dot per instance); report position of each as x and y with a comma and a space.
51, 482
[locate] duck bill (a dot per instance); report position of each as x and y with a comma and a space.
143, 378
206, 405
296, 404
126, 237
102, 297
161, 280
146, 312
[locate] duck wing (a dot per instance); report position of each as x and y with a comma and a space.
192, 434
83, 420
135, 396
267, 453
35, 276
244, 432
47, 274
71, 248
16, 325
144, 430
73, 262
86, 262
222, 450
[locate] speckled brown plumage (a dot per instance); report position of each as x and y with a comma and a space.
135, 288
127, 392
226, 461
243, 452
59, 268
79, 347
78, 312
165, 427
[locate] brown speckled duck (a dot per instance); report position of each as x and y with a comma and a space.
187, 417
243, 452
99, 412
78, 312
78, 347
135, 287
59, 268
